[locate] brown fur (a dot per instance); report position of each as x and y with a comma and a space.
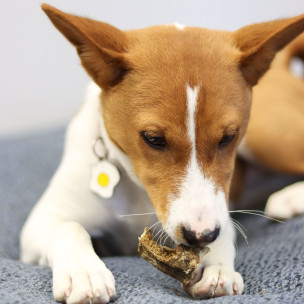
276, 129
144, 73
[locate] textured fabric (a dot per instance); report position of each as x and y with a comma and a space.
272, 265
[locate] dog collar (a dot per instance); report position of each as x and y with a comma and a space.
105, 175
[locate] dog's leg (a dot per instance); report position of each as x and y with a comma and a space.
219, 277
56, 235
286, 203
78, 273
57, 231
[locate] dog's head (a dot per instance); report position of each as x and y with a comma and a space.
176, 101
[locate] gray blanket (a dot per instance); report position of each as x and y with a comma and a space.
272, 265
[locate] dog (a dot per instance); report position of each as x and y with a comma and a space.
159, 132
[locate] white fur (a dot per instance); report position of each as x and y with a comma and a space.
179, 26
287, 202
199, 204
192, 95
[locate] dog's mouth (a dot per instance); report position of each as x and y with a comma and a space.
185, 236
163, 238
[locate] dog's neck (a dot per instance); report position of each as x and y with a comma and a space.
115, 155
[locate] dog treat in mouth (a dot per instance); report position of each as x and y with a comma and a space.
180, 263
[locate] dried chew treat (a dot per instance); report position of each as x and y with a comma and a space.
179, 263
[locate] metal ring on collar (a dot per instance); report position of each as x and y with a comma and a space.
100, 140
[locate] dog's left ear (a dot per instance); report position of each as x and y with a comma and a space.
100, 46
260, 42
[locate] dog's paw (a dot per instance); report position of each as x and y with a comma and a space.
83, 280
216, 281
286, 203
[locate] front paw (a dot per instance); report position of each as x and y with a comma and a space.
216, 281
83, 280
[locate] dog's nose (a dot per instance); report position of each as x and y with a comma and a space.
200, 239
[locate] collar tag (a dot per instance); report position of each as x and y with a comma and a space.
105, 176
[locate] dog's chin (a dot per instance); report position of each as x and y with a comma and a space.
184, 243
199, 246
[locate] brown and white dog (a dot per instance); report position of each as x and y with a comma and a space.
172, 105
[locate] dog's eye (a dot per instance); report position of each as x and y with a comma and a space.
226, 140
154, 140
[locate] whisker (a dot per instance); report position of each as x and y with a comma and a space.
160, 231
160, 236
154, 226
166, 235
236, 247
255, 212
163, 235
249, 210
164, 243
236, 221
245, 238
158, 222
236, 225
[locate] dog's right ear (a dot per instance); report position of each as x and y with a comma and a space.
100, 46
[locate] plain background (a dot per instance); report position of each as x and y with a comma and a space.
41, 81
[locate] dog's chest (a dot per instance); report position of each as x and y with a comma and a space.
129, 205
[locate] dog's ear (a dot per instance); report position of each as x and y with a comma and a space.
100, 46
260, 42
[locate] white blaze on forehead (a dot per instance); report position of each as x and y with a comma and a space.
198, 205
179, 26
192, 95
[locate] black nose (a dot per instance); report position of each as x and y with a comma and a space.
200, 239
